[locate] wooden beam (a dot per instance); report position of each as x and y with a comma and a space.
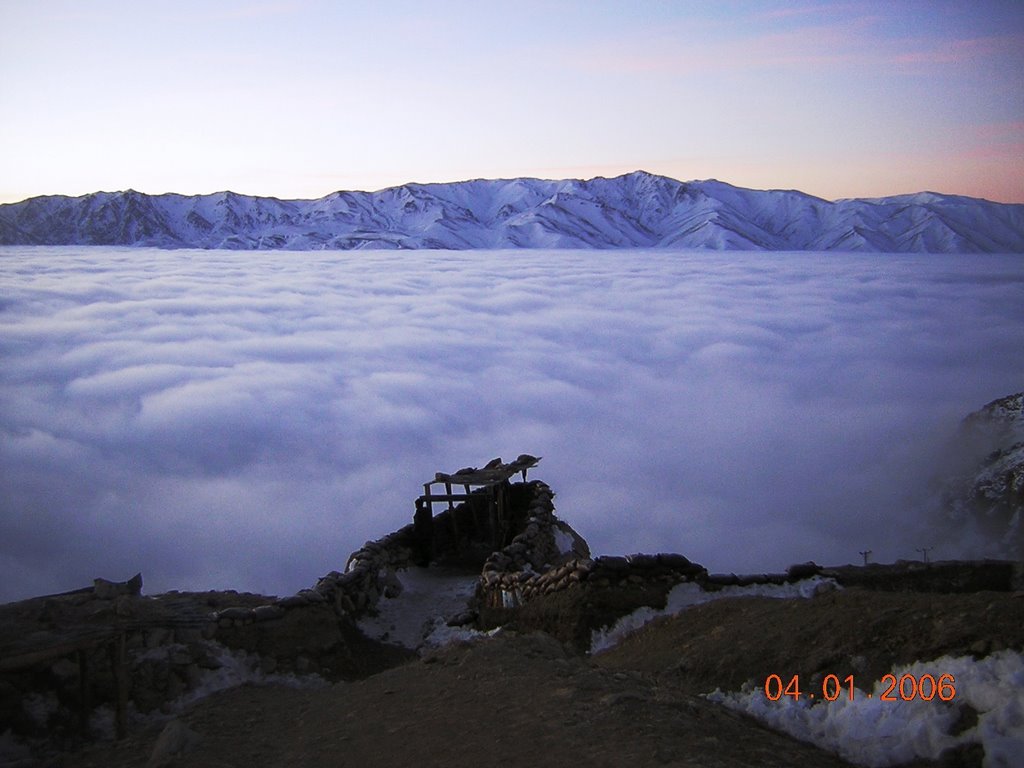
84, 692
119, 664
54, 650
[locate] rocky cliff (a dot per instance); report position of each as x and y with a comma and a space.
987, 490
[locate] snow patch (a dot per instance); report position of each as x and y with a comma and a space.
563, 540
874, 733
40, 707
238, 668
690, 593
417, 618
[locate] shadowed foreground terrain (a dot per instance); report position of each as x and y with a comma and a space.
520, 698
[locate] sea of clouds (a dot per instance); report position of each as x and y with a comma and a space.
245, 420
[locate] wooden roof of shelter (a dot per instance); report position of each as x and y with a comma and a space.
493, 473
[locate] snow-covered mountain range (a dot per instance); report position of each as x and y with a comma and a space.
635, 210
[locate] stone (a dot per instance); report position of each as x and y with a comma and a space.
176, 740
675, 562
392, 585
981, 647
803, 571
643, 561
109, 590
124, 606
462, 619
208, 660
236, 613
267, 612
188, 635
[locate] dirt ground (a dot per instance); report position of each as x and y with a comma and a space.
524, 700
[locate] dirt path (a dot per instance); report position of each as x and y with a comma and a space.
510, 701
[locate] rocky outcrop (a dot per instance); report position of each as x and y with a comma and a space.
986, 491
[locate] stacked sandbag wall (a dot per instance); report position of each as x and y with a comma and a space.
548, 557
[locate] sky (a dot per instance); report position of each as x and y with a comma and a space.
246, 420
299, 98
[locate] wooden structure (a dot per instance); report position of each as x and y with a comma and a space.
42, 648
93, 633
490, 483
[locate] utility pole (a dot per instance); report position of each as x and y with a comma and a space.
864, 554
924, 552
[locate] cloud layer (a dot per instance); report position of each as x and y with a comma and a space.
246, 420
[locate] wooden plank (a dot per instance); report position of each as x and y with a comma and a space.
492, 511
119, 664
502, 526
55, 649
84, 693
486, 477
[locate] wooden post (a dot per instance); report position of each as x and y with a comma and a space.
492, 507
499, 492
84, 693
119, 665
423, 526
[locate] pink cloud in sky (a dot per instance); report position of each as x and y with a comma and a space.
845, 43
829, 44
959, 51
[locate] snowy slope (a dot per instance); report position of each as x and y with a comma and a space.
635, 210
988, 492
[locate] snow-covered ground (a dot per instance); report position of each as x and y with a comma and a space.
418, 617
871, 732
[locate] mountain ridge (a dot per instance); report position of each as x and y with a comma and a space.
635, 210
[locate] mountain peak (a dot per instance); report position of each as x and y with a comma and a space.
638, 209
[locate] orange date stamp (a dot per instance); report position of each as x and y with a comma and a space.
906, 687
